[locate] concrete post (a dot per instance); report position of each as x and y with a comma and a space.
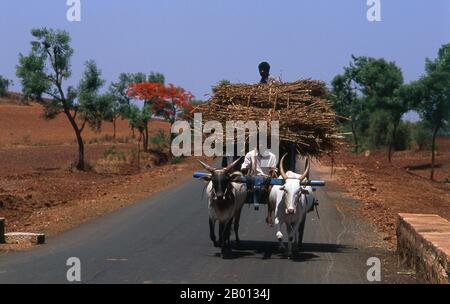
2, 230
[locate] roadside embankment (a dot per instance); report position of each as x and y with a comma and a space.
423, 243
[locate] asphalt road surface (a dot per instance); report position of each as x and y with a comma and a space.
165, 239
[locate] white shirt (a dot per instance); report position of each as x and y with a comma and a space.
263, 163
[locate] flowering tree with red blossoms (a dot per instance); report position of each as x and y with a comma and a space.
167, 101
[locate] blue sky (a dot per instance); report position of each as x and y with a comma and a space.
196, 43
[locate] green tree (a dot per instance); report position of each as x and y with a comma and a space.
367, 85
378, 131
119, 89
377, 78
45, 70
403, 136
139, 118
346, 103
120, 103
31, 69
379, 82
432, 96
156, 78
398, 105
92, 106
113, 110
423, 134
222, 82
4, 85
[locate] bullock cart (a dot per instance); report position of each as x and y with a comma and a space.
306, 122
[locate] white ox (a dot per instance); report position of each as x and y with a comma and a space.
225, 200
291, 202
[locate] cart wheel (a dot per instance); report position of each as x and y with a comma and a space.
301, 230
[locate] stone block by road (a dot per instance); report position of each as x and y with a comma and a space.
24, 238
2, 230
423, 243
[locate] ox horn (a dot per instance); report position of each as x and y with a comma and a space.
283, 174
206, 166
230, 166
306, 172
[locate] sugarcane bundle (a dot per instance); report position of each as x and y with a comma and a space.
274, 94
304, 114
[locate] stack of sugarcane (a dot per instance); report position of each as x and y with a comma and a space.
301, 107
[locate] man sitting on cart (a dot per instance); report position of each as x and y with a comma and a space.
261, 164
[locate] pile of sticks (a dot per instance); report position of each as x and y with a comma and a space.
301, 107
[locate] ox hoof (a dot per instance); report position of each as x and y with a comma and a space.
226, 253
279, 235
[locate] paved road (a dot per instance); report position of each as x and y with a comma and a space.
164, 239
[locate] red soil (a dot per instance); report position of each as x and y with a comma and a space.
384, 189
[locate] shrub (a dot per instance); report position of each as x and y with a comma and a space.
402, 138
4, 85
176, 160
378, 130
27, 139
160, 141
422, 136
111, 153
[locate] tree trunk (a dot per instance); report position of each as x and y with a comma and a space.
139, 153
433, 147
391, 144
146, 138
114, 128
80, 164
355, 138
73, 123
172, 120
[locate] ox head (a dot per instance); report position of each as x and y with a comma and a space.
292, 189
221, 179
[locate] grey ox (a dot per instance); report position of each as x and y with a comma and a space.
225, 200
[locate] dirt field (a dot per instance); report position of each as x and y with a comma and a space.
39, 192
23, 125
381, 190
